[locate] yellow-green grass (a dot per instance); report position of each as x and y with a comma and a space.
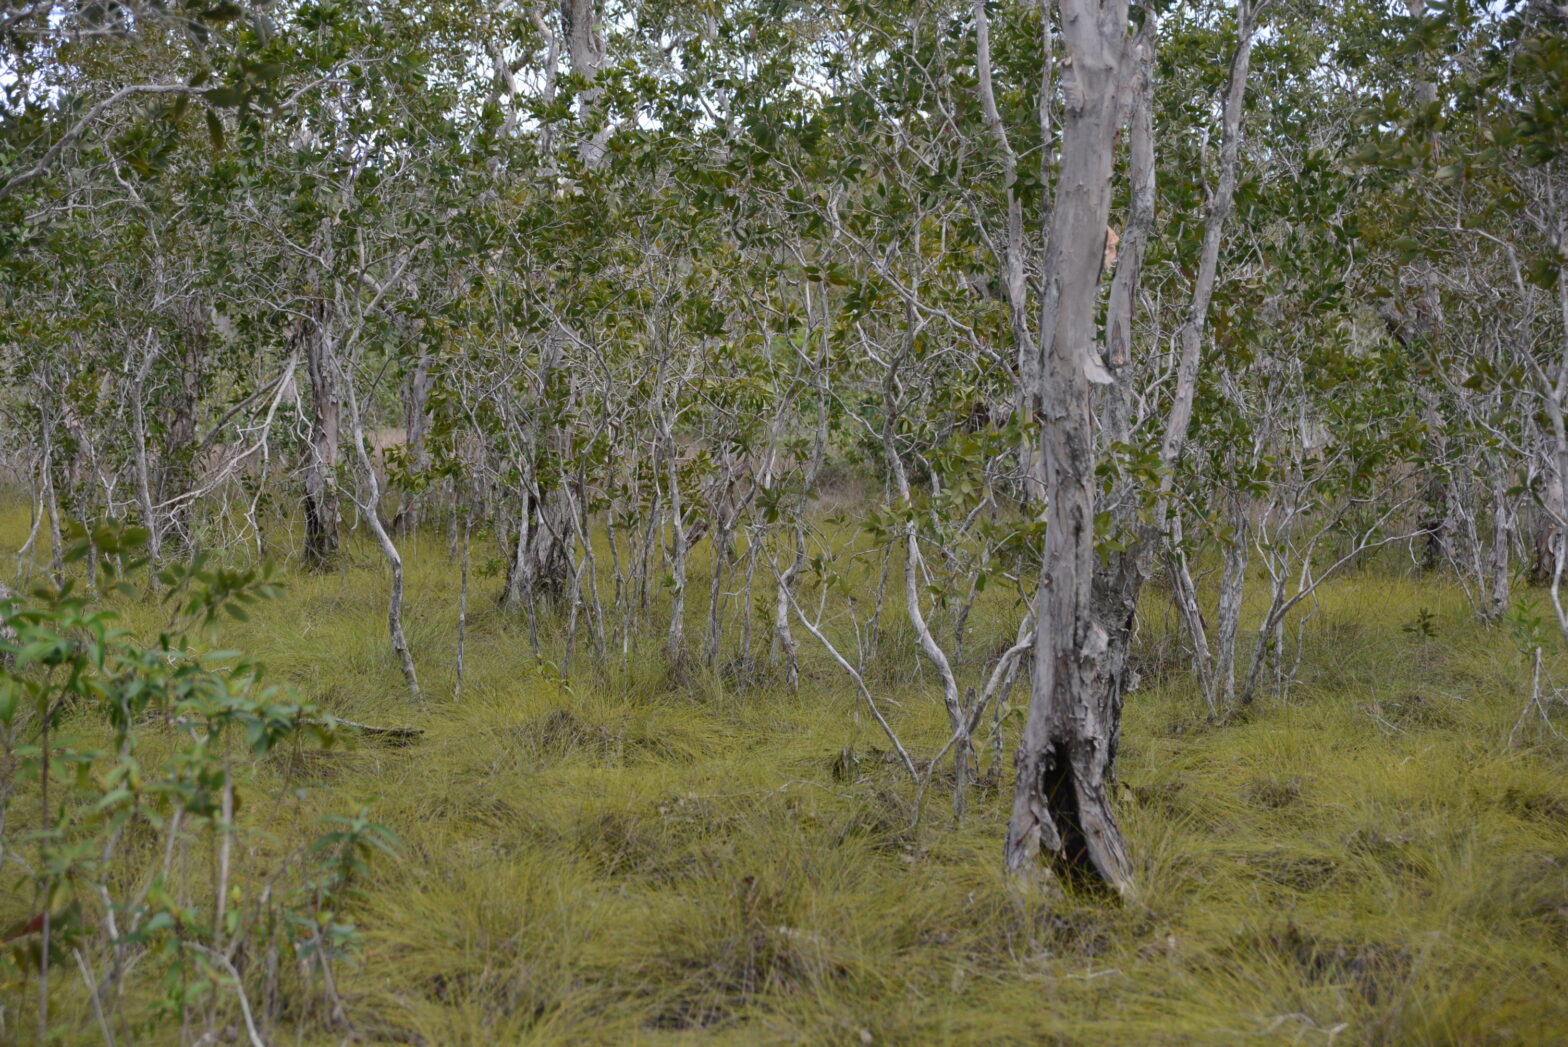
690, 858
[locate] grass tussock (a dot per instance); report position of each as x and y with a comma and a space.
643, 859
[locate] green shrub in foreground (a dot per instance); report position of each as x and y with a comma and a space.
122, 767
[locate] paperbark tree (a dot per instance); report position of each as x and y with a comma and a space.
1085, 609
1061, 802
321, 446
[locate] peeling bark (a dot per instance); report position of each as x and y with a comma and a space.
1061, 802
321, 450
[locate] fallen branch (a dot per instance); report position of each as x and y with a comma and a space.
391, 735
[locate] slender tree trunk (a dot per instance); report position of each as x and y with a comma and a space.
676, 642
784, 638
1233, 578
462, 606
416, 420
723, 522
1119, 579
143, 466
1185, 595
371, 510
321, 452
178, 473
1184, 396
1547, 529
1505, 521
1014, 283
913, 609
1435, 481
56, 538
519, 575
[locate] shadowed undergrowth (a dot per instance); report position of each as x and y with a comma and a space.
658, 859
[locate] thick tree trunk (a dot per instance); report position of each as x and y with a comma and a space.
546, 558
541, 562
1064, 758
585, 45
1084, 620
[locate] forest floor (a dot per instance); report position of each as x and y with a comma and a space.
689, 858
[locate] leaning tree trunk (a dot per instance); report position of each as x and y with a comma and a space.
1064, 758
370, 509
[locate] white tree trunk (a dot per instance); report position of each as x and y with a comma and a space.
1061, 802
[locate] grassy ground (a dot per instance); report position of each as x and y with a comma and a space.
697, 862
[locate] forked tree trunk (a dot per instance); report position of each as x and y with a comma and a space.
1060, 802
1084, 620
